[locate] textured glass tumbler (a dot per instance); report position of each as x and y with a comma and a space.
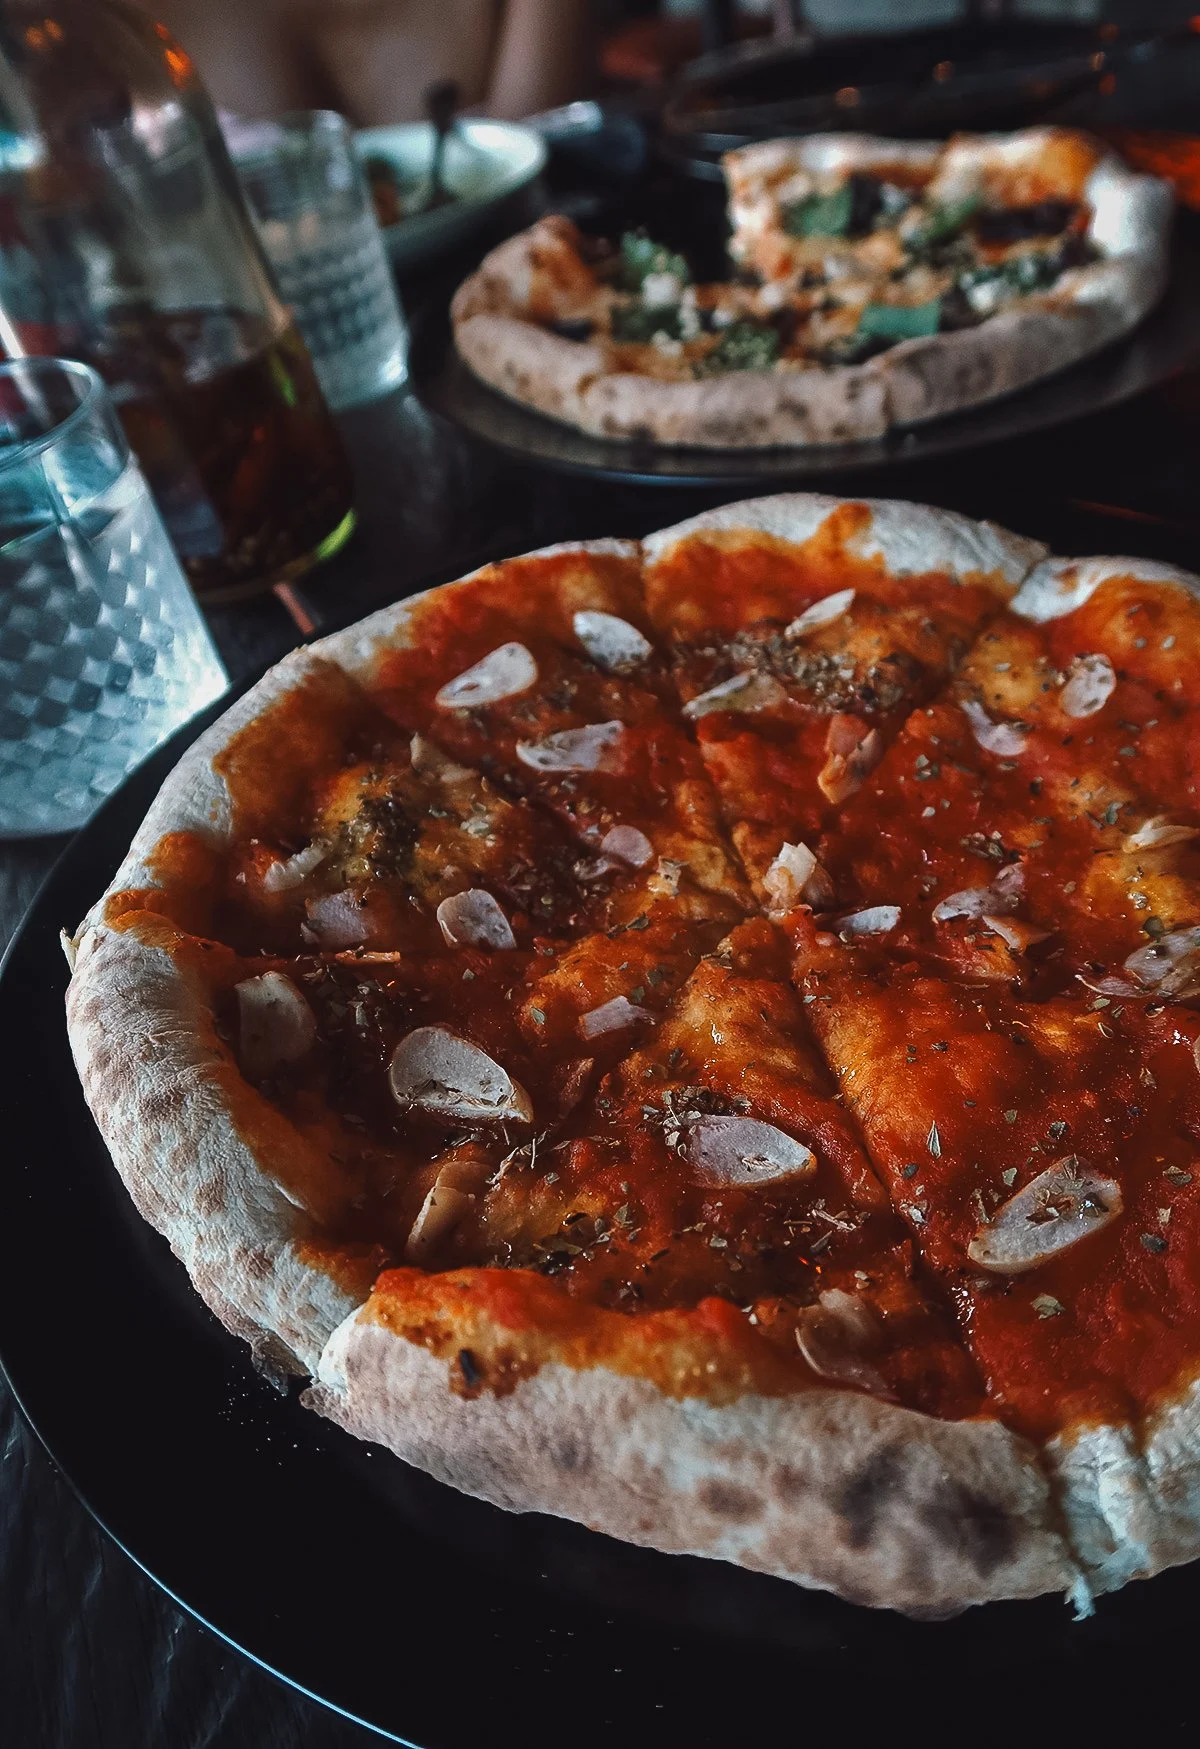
103, 650
317, 222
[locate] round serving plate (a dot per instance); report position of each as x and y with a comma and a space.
435, 1619
913, 82
982, 76
1165, 343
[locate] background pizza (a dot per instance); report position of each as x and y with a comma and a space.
875, 283
696, 1037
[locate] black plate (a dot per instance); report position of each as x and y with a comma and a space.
917, 83
1165, 343
440, 1621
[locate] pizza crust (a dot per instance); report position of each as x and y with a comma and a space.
531, 365
567, 380
195, 798
828, 1488
499, 333
1059, 586
143, 1040
907, 538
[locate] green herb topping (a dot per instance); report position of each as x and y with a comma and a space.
820, 215
637, 324
742, 346
642, 256
900, 321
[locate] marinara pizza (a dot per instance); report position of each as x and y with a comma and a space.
699, 1036
875, 283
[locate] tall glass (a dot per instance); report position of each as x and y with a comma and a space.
317, 222
103, 650
125, 241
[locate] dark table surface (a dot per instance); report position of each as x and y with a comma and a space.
92, 1655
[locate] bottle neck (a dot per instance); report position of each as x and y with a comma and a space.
118, 199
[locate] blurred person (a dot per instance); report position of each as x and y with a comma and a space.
373, 59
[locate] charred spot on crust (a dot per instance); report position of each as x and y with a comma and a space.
791, 1485
983, 1531
727, 1500
467, 1374
159, 1104
208, 1198
864, 1499
958, 1518
577, 328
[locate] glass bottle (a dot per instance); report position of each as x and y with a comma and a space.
125, 242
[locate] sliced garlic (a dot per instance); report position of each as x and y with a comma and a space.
1111, 986
1062, 1205
614, 1016
1158, 832
853, 751
1005, 739
437, 1217
611, 642
585, 749
821, 613
474, 919
873, 920
335, 920
450, 1199
1003, 895
502, 673
833, 1335
293, 871
435, 1071
744, 692
1090, 684
796, 878
276, 1026
628, 845
1016, 934
738, 1151
428, 760
1169, 966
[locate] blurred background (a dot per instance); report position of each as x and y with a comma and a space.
372, 59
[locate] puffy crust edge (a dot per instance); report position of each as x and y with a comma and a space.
1058, 586
909, 538
141, 1035
1131, 1501
882, 1505
567, 380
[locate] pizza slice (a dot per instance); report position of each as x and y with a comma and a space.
1045, 1158
710, 1180
353, 834
1038, 820
540, 673
803, 631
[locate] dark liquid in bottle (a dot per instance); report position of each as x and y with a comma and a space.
243, 458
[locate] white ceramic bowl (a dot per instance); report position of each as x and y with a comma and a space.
485, 162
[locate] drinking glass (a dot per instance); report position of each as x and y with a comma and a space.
317, 223
103, 650
126, 242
